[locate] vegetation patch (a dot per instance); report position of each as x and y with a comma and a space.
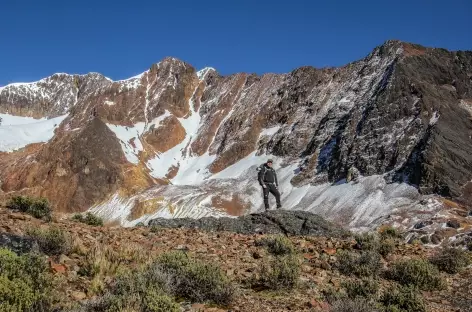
37, 207
281, 272
52, 241
25, 284
451, 260
365, 264
364, 288
278, 245
89, 219
415, 272
403, 298
353, 305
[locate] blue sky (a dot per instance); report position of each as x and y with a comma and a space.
123, 38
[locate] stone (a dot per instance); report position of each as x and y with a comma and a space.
422, 224
78, 295
63, 259
453, 224
436, 239
58, 268
17, 244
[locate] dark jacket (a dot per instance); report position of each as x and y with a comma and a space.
267, 175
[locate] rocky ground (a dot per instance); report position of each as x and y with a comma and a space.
237, 254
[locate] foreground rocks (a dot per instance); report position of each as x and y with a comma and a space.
17, 243
270, 222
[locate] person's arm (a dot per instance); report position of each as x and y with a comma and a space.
276, 181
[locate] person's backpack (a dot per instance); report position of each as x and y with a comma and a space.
261, 170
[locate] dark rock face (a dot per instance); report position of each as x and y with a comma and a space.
271, 222
453, 224
17, 244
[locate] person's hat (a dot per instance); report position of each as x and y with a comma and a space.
270, 161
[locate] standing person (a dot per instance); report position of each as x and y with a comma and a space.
268, 180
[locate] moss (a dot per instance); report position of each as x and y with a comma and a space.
419, 273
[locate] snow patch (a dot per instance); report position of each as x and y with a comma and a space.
270, 131
129, 140
17, 132
434, 118
201, 73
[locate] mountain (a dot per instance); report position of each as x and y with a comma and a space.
176, 142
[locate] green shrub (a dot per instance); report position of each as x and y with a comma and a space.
419, 273
25, 284
350, 305
365, 264
277, 245
52, 241
280, 273
195, 280
367, 241
37, 207
402, 298
390, 232
155, 301
366, 288
451, 260
386, 246
332, 294
89, 219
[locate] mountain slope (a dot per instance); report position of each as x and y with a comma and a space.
177, 142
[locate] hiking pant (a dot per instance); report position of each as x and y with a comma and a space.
270, 187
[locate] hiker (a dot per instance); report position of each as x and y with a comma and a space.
268, 180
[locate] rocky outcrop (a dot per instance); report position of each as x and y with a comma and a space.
271, 222
17, 244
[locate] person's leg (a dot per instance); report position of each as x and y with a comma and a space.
265, 193
276, 193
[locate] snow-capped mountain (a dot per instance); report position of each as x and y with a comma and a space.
176, 142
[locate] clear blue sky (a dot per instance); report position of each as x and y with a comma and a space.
123, 38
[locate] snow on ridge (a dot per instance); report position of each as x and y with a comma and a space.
201, 73
17, 132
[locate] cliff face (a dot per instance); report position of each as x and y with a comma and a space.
403, 112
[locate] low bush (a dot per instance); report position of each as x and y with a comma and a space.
52, 241
89, 219
367, 241
281, 272
277, 245
386, 246
362, 265
451, 260
25, 284
172, 275
419, 273
396, 299
195, 280
390, 232
37, 207
365, 288
353, 305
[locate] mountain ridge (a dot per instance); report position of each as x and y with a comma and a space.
401, 114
